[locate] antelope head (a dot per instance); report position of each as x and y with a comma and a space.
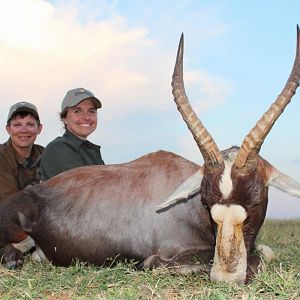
234, 183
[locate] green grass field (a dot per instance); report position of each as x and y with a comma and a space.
279, 279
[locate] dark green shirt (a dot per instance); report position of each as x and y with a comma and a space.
68, 152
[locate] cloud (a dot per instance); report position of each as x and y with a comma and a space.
46, 49
49, 48
207, 91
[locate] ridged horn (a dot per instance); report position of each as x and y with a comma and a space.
251, 145
211, 155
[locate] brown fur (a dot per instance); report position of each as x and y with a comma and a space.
99, 212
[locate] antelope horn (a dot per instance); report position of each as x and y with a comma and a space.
252, 143
209, 150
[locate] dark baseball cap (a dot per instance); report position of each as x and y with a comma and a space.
23, 106
75, 96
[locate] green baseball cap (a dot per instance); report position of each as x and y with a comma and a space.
23, 106
75, 96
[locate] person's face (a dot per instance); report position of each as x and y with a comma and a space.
23, 131
81, 119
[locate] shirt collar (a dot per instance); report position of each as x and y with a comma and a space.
77, 141
29, 162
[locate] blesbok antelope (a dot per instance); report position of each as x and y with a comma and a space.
213, 212
233, 184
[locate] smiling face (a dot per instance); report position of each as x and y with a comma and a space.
81, 119
23, 131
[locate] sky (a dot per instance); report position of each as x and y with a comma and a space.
238, 56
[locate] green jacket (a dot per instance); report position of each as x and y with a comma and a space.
14, 176
68, 152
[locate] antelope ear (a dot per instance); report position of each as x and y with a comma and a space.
24, 222
282, 182
186, 190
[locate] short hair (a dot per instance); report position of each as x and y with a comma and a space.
23, 114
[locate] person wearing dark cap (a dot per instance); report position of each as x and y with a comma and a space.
79, 115
19, 156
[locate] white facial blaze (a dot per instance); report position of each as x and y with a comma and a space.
230, 260
225, 184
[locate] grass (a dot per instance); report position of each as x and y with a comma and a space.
279, 279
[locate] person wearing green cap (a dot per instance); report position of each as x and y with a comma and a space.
79, 115
20, 156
